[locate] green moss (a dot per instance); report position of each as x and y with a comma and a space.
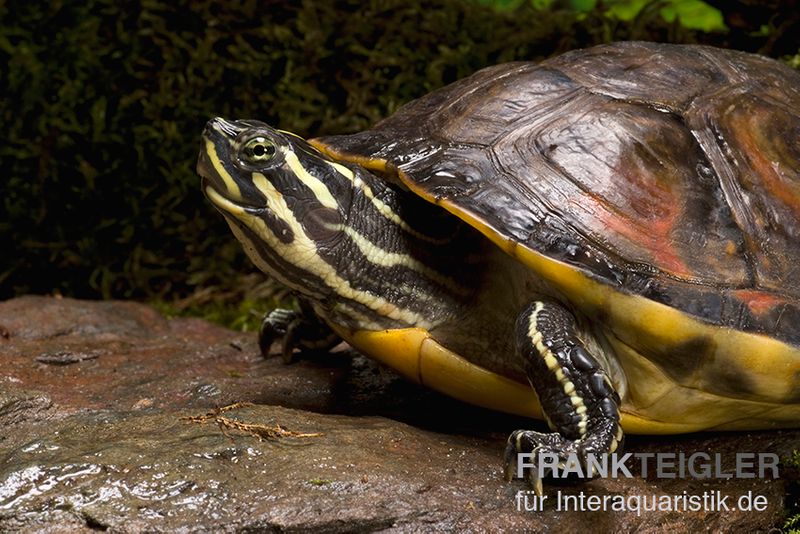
240, 305
792, 61
794, 459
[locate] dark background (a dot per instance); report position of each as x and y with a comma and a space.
103, 103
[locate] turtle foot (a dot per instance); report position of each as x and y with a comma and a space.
296, 330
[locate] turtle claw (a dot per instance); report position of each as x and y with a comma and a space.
297, 330
508, 471
534, 482
510, 457
275, 326
536, 443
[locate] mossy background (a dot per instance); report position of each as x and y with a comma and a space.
103, 103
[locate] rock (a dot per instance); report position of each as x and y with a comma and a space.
110, 421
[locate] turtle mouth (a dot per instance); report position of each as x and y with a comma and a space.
225, 204
218, 192
221, 197
223, 201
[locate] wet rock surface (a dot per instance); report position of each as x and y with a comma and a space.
94, 435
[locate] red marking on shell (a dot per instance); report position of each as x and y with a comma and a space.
758, 302
649, 220
758, 147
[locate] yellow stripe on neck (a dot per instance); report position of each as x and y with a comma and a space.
317, 186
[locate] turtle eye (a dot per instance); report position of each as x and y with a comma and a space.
258, 150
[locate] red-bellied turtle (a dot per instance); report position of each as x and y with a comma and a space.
617, 227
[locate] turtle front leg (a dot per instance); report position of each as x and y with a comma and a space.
576, 395
298, 329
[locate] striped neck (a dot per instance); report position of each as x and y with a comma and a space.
361, 250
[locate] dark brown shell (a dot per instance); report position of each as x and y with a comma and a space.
667, 171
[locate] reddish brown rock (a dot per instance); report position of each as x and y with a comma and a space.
92, 396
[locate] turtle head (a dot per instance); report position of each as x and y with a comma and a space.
283, 199
342, 237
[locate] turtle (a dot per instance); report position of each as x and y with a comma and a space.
608, 240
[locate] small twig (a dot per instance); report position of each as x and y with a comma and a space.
260, 431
